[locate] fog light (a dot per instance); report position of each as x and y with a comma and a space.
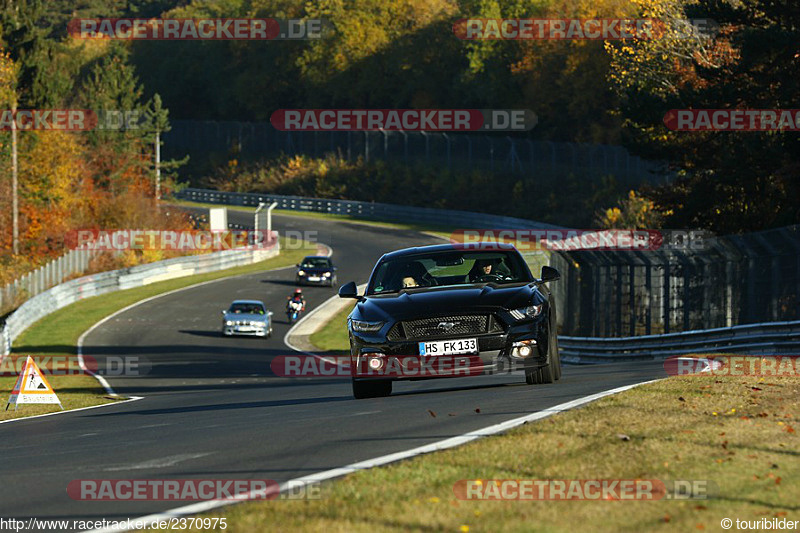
523, 349
375, 363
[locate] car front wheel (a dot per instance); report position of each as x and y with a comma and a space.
551, 371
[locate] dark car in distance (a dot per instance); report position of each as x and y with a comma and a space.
316, 270
478, 306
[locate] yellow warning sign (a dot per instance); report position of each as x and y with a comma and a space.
32, 387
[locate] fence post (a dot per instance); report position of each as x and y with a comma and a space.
632, 298
447, 140
665, 303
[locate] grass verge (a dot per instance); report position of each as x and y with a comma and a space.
735, 432
332, 337
58, 333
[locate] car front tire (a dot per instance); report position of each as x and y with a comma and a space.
371, 389
551, 371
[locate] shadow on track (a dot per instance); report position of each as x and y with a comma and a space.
228, 406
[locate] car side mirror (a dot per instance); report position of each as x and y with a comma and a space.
223, 311
297, 265
348, 290
550, 274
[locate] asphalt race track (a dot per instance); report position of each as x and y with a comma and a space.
212, 409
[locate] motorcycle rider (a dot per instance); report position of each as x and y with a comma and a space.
296, 297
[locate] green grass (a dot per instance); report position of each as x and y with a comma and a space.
736, 433
57, 334
333, 337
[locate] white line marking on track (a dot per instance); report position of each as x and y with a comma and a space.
131, 399
452, 442
161, 462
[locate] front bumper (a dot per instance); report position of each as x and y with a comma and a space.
251, 331
497, 354
318, 280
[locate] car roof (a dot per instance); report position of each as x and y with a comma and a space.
248, 302
476, 247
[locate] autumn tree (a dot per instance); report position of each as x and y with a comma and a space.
728, 181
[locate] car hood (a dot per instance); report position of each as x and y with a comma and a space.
243, 316
445, 301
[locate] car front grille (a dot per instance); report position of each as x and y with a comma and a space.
427, 328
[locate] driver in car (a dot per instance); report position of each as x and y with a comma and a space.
482, 267
488, 270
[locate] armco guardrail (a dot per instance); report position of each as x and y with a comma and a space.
769, 269
771, 338
127, 278
366, 210
72, 262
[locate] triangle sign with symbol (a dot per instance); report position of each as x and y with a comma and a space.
32, 387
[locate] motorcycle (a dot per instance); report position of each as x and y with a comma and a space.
293, 311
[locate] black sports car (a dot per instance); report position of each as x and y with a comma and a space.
451, 310
316, 270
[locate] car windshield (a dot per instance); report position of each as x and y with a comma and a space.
315, 262
246, 309
448, 268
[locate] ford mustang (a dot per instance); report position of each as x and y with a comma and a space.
448, 311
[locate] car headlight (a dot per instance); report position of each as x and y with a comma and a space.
326, 275
229, 322
301, 272
363, 326
259, 324
531, 311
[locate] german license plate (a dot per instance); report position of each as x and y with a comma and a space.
313, 278
452, 347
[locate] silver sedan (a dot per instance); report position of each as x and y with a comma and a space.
247, 317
